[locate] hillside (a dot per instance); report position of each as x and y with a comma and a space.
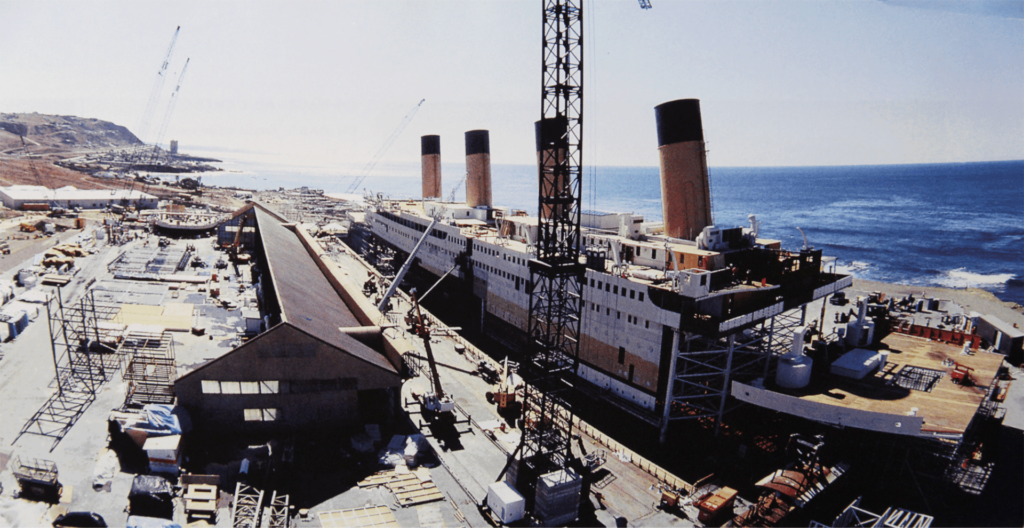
46, 134
52, 138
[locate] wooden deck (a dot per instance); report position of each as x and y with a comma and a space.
946, 408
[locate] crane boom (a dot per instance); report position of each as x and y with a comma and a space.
384, 148
158, 86
170, 108
421, 329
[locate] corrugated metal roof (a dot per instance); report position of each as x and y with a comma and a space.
307, 299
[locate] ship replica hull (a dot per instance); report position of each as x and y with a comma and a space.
185, 223
656, 302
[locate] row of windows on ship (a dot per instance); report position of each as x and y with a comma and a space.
608, 287
631, 319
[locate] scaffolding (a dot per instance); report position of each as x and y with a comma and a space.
149, 263
149, 367
246, 512
702, 368
855, 516
83, 360
276, 514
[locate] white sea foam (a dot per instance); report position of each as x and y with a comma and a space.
852, 268
961, 278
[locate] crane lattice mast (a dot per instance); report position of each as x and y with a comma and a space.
170, 110
556, 274
158, 85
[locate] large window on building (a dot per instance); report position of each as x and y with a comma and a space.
279, 386
260, 415
241, 387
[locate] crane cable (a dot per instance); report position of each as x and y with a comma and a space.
167, 115
591, 80
384, 148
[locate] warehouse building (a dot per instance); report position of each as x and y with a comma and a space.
318, 360
18, 196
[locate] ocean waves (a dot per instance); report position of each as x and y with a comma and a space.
953, 225
961, 278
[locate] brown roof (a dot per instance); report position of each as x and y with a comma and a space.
307, 299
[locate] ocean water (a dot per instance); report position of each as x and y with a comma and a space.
951, 225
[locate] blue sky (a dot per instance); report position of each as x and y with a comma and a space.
325, 83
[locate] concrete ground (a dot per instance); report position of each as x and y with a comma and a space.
27, 380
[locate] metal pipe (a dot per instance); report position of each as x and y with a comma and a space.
668, 389
405, 267
725, 387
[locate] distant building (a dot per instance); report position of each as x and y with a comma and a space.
17, 196
318, 361
1002, 336
174, 146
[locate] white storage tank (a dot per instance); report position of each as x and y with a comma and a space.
794, 371
506, 503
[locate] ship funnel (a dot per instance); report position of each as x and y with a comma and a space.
430, 151
552, 144
478, 168
685, 191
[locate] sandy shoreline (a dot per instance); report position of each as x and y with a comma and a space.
972, 299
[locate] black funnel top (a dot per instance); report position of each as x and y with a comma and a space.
430, 145
678, 122
478, 142
551, 133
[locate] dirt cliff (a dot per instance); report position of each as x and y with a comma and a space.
45, 134
31, 143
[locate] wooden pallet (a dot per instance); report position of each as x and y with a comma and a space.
415, 488
381, 478
376, 516
410, 489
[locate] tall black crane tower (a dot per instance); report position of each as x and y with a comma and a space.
556, 274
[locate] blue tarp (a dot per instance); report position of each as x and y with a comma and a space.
165, 420
161, 419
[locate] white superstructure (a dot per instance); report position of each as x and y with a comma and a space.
640, 290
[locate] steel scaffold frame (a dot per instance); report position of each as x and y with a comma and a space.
149, 369
703, 368
81, 363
